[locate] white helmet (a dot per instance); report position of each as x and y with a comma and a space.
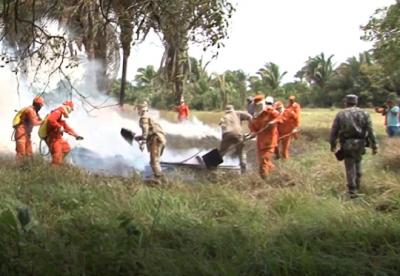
269, 100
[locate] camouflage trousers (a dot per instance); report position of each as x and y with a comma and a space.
155, 146
353, 173
229, 140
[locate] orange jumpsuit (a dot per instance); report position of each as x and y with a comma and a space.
183, 111
296, 108
267, 140
29, 119
57, 145
288, 124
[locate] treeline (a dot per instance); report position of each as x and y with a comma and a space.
318, 84
373, 75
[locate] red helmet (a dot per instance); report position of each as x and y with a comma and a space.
38, 101
70, 104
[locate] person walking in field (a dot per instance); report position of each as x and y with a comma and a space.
56, 126
232, 133
264, 127
392, 119
23, 124
352, 126
153, 136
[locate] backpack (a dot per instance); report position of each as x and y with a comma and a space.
18, 117
43, 129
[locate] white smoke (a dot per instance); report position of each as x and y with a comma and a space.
103, 148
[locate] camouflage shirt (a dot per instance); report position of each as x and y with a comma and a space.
149, 127
231, 122
352, 123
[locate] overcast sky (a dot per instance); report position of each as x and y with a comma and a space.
285, 32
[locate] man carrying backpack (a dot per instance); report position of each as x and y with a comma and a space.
353, 127
23, 123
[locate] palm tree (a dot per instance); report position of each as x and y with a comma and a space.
318, 70
225, 88
146, 76
271, 76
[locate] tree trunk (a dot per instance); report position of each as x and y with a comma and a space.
123, 79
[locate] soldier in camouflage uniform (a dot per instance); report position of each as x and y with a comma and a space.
153, 136
353, 127
232, 135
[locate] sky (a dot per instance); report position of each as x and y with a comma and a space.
285, 32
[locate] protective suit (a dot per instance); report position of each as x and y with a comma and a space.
183, 111
28, 119
56, 127
285, 128
232, 133
296, 109
153, 136
264, 124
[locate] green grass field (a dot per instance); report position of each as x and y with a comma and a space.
297, 222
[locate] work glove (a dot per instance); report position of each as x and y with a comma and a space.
79, 138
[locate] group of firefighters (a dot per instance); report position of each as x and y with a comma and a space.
271, 123
53, 126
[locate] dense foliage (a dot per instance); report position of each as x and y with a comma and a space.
374, 76
319, 84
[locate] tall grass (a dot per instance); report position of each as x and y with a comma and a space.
63, 221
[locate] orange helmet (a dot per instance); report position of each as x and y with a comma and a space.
258, 98
70, 104
38, 101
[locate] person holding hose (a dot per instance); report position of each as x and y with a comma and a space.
264, 126
286, 129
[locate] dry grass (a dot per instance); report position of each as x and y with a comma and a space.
298, 221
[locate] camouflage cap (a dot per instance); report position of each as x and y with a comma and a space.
351, 99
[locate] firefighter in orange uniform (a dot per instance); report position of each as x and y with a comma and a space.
296, 109
28, 119
264, 126
56, 127
286, 129
183, 111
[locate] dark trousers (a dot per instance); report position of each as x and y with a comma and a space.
353, 173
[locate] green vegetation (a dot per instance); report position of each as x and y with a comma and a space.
373, 75
298, 222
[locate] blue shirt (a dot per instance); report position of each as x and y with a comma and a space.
393, 116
